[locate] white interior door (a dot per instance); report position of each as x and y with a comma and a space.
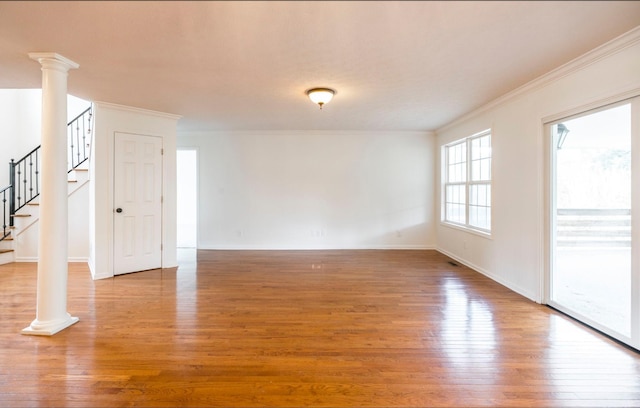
137, 203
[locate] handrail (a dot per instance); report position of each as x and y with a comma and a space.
27, 155
80, 115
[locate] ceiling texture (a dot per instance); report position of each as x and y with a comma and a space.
226, 65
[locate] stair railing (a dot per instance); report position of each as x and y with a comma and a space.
78, 130
24, 175
7, 220
24, 178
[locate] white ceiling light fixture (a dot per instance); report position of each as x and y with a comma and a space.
321, 96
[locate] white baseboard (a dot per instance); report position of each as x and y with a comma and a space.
35, 259
490, 275
26, 259
328, 248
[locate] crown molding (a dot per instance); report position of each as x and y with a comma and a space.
301, 132
609, 48
137, 110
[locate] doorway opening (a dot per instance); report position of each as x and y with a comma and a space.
591, 273
187, 198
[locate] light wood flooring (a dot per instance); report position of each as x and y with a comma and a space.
304, 328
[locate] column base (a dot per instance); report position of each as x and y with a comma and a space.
38, 328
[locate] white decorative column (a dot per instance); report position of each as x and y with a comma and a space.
51, 307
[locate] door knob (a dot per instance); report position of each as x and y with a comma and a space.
118, 210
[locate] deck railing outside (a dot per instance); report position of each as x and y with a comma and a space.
593, 228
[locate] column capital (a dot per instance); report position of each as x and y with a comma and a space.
53, 60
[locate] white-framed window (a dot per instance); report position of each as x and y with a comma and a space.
467, 182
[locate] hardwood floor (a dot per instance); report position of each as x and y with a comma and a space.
304, 328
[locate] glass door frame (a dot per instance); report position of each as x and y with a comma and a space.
550, 212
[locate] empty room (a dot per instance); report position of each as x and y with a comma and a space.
322, 203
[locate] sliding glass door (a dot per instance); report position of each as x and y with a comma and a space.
592, 270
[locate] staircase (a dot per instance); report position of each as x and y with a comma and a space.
19, 200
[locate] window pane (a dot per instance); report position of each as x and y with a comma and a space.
485, 169
480, 206
456, 163
453, 174
476, 170
455, 203
481, 158
480, 194
451, 154
455, 194
457, 213
456, 153
479, 217
475, 148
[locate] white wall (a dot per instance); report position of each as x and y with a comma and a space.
109, 119
21, 121
314, 189
514, 255
27, 229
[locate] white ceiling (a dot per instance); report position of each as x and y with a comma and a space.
246, 65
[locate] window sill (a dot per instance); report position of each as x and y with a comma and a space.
479, 233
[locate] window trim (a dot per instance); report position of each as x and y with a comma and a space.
467, 183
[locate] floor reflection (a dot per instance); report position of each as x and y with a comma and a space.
186, 288
468, 329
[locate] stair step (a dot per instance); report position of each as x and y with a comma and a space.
6, 256
21, 215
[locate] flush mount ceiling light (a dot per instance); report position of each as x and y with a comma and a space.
321, 95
